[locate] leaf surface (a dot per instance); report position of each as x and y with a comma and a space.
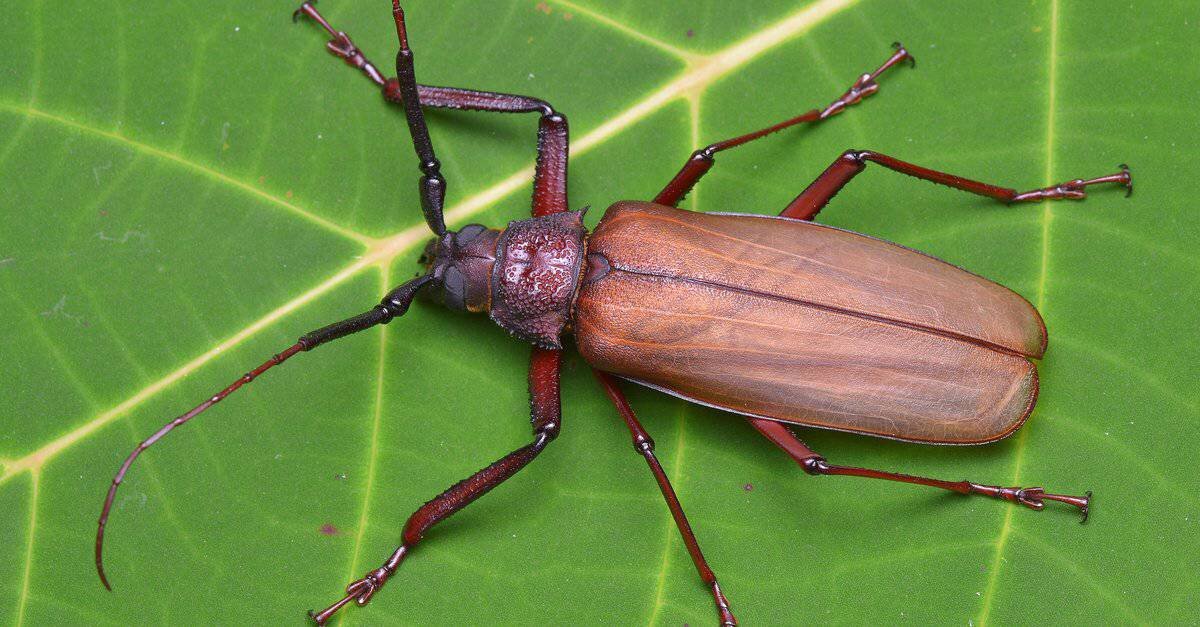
187, 187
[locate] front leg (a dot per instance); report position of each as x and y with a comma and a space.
431, 184
546, 417
550, 178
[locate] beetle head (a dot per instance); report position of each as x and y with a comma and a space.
461, 264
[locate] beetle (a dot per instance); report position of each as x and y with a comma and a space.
778, 319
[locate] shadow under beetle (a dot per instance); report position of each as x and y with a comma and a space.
778, 319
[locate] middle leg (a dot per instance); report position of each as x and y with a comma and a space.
645, 445
702, 161
546, 416
850, 163
814, 464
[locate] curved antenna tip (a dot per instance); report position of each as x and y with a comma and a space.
103, 577
100, 549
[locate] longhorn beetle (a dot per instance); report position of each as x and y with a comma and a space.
777, 319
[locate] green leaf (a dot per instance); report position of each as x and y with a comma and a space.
187, 187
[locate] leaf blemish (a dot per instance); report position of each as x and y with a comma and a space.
59, 310
96, 170
141, 498
123, 239
328, 529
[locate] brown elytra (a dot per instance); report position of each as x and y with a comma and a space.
807, 324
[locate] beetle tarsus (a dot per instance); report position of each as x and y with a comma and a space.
1075, 188
300, 10
308, 9
360, 591
324, 615
1035, 498
912, 61
867, 84
1082, 502
727, 617
340, 45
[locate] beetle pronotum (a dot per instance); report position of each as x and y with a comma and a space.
778, 319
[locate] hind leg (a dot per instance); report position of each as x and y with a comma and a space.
814, 464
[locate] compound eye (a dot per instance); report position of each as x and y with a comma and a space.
468, 233
454, 287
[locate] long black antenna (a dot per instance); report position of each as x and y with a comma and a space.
403, 88
392, 306
432, 185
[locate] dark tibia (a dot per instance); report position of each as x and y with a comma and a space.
393, 305
702, 160
644, 445
847, 166
472, 100
815, 464
546, 418
550, 189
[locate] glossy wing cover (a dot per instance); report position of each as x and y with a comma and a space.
806, 324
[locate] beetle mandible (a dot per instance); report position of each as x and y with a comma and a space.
778, 319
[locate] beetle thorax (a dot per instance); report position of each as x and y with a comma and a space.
536, 276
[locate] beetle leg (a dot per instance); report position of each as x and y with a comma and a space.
431, 183
814, 464
550, 177
645, 446
341, 45
702, 160
546, 418
846, 167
